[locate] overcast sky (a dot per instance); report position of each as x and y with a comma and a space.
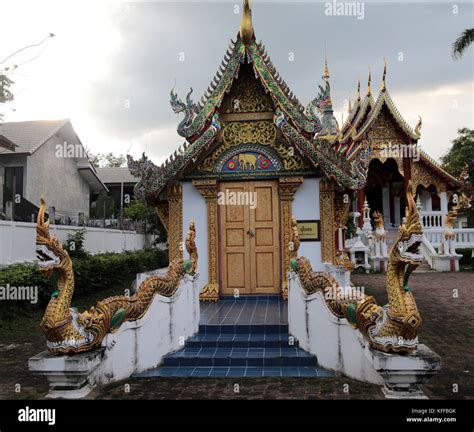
112, 64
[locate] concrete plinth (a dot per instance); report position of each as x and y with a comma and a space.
378, 264
68, 376
403, 375
446, 263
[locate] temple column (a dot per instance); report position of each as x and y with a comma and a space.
427, 205
360, 206
328, 242
175, 223
392, 204
208, 189
386, 205
443, 201
396, 210
287, 187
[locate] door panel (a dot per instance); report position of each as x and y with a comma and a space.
265, 245
249, 240
234, 243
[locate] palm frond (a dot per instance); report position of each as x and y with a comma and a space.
462, 42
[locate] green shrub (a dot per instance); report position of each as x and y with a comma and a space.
92, 273
75, 243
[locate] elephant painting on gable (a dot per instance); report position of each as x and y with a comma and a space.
247, 162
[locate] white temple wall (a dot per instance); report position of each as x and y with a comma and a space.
306, 207
195, 208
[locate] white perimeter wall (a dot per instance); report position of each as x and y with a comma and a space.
17, 240
306, 207
195, 208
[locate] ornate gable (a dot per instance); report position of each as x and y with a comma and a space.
246, 95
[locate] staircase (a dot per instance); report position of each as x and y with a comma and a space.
425, 267
240, 351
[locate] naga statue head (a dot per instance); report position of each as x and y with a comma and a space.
49, 250
406, 249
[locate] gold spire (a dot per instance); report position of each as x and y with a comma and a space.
383, 88
349, 107
246, 27
326, 69
368, 83
358, 90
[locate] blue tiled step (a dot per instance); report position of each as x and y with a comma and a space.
223, 350
235, 372
248, 357
243, 329
256, 340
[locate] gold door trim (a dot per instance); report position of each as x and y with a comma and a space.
287, 188
208, 189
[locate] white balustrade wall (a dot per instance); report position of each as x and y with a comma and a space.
432, 219
464, 237
17, 240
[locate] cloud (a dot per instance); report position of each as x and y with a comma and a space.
112, 65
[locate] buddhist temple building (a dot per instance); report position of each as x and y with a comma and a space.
254, 156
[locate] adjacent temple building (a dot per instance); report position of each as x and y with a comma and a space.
250, 137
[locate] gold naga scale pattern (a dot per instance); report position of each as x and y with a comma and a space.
68, 331
391, 328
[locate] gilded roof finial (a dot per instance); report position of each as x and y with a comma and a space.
368, 83
326, 69
349, 107
383, 88
358, 90
246, 27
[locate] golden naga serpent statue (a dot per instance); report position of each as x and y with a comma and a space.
68, 331
392, 328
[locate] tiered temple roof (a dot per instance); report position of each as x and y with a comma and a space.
201, 123
341, 153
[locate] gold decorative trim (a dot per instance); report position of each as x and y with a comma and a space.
258, 132
326, 204
175, 224
421, 176
208, 189
286, 191
162, 210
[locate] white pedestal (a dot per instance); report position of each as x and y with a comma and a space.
446, 263
378, 264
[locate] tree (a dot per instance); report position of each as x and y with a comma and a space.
138, 210
5, 83
5, 93
108, 160
455, 160
462, 42
462, 151
103, 207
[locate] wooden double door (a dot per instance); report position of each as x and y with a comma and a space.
249, 246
